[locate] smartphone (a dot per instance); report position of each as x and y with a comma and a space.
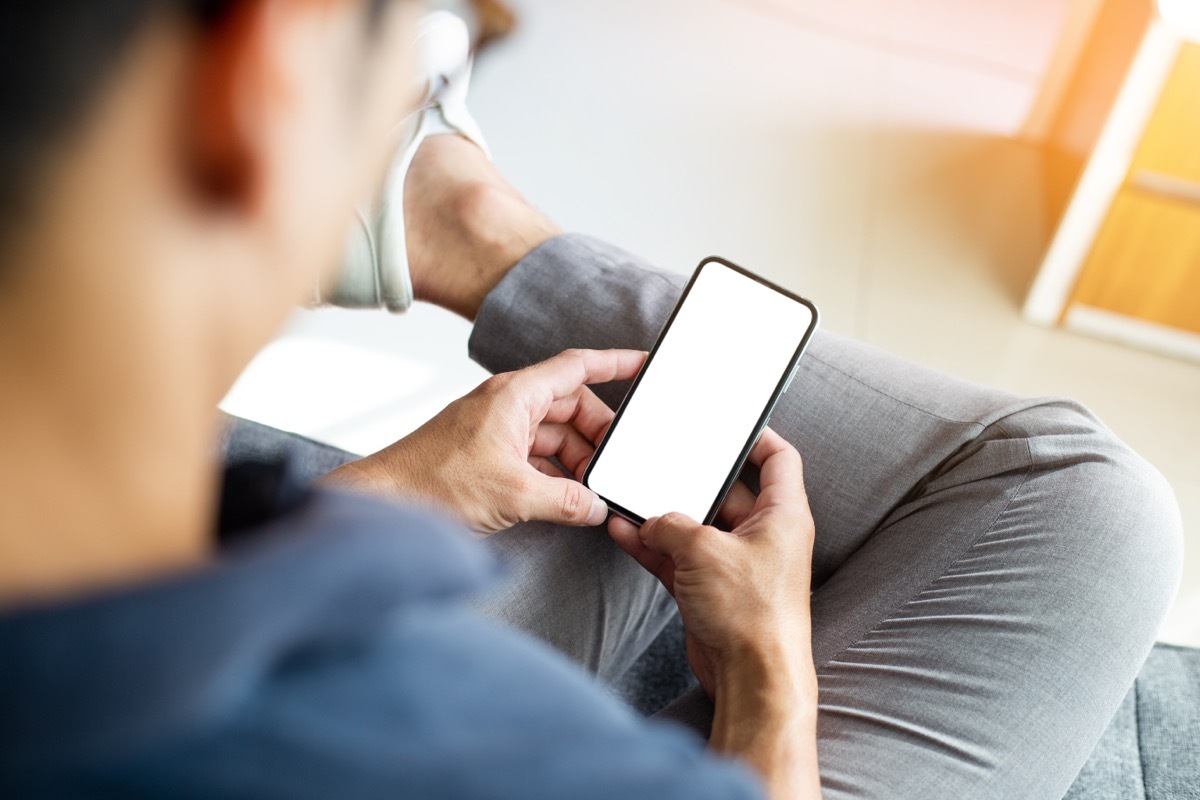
725, 356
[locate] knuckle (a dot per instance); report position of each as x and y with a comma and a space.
674, 519
502, 393
671, 523
491, 386
795, 456
788, 458
496, 383
572, 502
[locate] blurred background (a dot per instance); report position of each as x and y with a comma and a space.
1007, 190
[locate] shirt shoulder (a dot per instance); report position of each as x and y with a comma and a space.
441, 703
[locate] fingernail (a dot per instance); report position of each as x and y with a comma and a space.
599, 511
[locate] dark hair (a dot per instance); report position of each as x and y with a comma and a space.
55, 57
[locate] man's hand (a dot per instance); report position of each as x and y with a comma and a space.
744, 599
486, 457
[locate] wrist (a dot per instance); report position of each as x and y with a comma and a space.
770, 676
350, 477
367, 475
766, 714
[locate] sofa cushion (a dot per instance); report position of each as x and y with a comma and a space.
1151, 749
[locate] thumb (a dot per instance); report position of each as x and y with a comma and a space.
670, 533
564, 501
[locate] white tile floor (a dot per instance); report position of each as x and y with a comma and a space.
862, 152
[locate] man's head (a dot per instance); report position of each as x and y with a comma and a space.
174, 176
248, 126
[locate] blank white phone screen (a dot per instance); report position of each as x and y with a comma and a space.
701, 396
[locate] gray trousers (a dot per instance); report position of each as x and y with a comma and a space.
989, 570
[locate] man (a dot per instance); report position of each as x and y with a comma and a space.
987, 572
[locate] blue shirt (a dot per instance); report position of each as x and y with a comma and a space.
325, 653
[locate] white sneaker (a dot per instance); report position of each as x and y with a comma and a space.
375, 259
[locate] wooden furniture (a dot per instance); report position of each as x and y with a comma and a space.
1123, 183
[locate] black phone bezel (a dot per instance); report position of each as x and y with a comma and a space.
780, 387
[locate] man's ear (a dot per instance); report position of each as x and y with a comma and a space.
246, 81
220, 134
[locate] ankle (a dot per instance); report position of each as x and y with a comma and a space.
500, 226
495, 229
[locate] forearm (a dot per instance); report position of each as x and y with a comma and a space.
766, 716
394, 473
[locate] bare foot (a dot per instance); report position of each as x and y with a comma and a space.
466, 225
